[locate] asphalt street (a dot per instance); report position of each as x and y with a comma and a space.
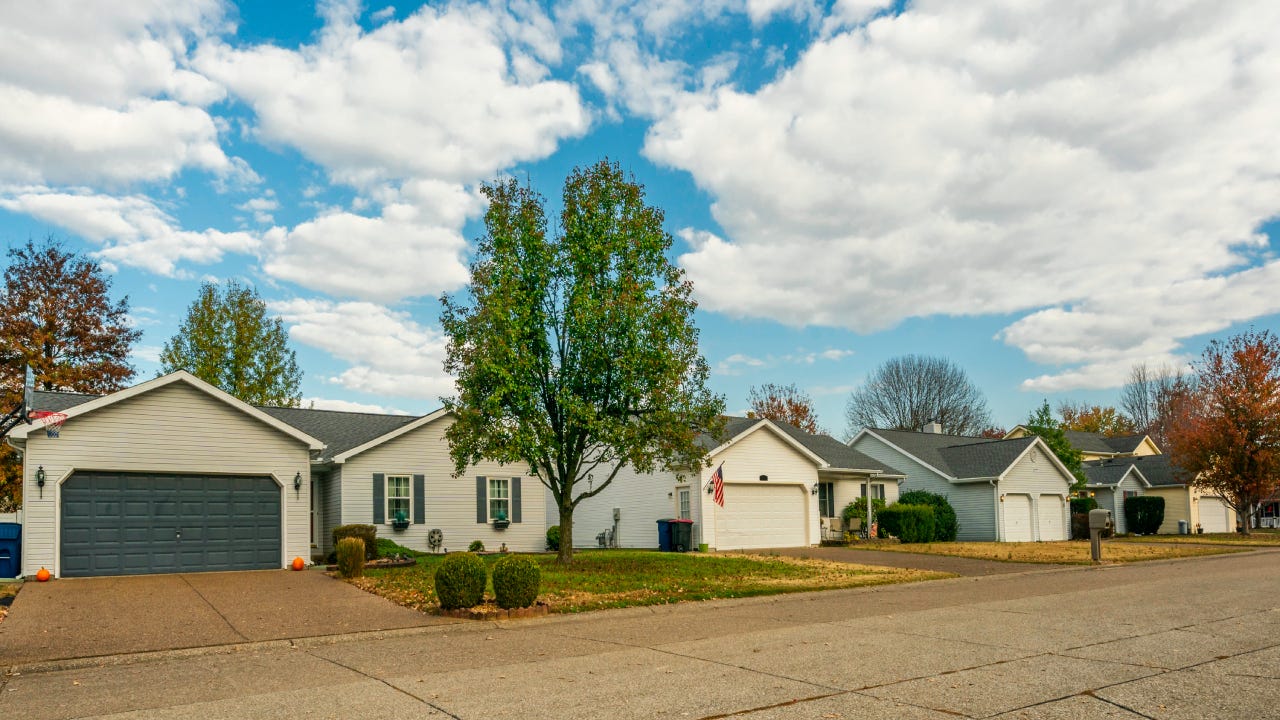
1195, 638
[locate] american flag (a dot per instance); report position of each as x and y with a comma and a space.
717, 482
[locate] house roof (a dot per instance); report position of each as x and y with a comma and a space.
834, 453
1158, 470
1106, 473
1092, 442
79, 404
1154, 469
59, 401
959, 456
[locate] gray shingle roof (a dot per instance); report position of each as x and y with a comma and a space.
835, 453
1098, 443
59, 401
1106, 473
1155, 468
957, 455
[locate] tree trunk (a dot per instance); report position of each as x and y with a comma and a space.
565, 556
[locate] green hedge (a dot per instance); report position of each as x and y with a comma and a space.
1144, 514
516, 579
553, 537
460, 581
368, 534
1083, 504
350, 557
909, 523
946, 525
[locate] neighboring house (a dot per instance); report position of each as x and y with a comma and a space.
175, 475
1011, 490
1096, 446
1268, 515
781, 487
1112, 482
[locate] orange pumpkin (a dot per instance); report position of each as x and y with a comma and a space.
43, 575
299, 563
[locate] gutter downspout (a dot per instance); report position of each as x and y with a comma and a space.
995, 497
870, 477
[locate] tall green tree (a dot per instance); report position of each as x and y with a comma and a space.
229, 341
576, 353
59, 318
1043, 424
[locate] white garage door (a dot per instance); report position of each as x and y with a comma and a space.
762, 516
1017, 518
1052, 511
1214, 515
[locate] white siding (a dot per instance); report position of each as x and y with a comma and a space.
330, 486
450, 502
760, 453
642, 499
1036, 474
974, 503
174, 428
1131, 484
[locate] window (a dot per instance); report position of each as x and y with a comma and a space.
683, 495
399, 500
1130, 493
499, 499
877, 491
826, 500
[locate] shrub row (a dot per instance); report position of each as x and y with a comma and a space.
1083, 505
461, 578
909, 523
946, 525
1144, 514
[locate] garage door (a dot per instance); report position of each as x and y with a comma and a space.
1017, 518
1214, 516
762, 516
1052, 511
135, 523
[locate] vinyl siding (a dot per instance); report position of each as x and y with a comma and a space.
1177, 506
1132, 484
174, 428
641, 499
760, 453
1036, 474
974, 503
450, 502
330, 507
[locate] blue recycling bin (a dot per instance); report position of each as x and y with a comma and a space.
10, 550
664, 535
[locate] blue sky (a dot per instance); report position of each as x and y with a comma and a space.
1045, 194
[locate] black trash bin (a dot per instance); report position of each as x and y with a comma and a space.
681, 535
10, 550
664, 534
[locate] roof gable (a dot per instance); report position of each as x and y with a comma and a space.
408, 427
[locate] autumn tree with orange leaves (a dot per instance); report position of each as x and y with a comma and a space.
784, 403
1083, 417
1226, 431
58, 317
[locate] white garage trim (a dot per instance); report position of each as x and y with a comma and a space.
790, 532
284, 516
1012, 509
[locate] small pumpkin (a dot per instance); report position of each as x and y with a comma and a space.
43, 575
298, 563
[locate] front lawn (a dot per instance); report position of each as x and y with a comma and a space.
624, 578
1259, 538
1053, 553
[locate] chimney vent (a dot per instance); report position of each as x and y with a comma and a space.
934, 428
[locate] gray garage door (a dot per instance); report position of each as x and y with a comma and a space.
134, 523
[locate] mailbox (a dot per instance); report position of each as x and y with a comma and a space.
1100, 520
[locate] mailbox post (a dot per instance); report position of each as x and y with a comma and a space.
1099, 522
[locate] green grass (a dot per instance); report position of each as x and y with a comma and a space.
623, 578
1260, 537
1066, 552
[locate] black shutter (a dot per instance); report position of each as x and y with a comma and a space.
379, 498
515, 500
419, 499
482, 500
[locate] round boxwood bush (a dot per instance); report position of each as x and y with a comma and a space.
460, 581
945, 524
908, 523
553, 537
516, 579
476, 546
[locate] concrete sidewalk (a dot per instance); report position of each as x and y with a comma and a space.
1193, 638
89, 617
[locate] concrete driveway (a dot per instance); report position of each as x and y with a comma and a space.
91, 617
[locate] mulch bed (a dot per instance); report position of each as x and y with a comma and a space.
490, 611
381, 563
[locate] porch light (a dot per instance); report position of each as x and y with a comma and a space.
297, 482
40, 476
1001, 497
814, 490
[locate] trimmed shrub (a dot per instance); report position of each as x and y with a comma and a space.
368, 534
516, 579
351, 557
553, 537
1143, 514
476, 546
858, 509
909, 523
946, 526
460, 581
390, 548
1080, 525
1083, 505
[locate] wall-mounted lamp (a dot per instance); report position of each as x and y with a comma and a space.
814, 489
297, 482
1001, 497
764, 478
671, 494
40, 476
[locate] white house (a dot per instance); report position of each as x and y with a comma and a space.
1012, 490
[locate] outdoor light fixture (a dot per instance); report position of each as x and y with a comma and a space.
40, 479
1001, 497
814, 489
297, 482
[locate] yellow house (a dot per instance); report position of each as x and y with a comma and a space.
1096, 446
